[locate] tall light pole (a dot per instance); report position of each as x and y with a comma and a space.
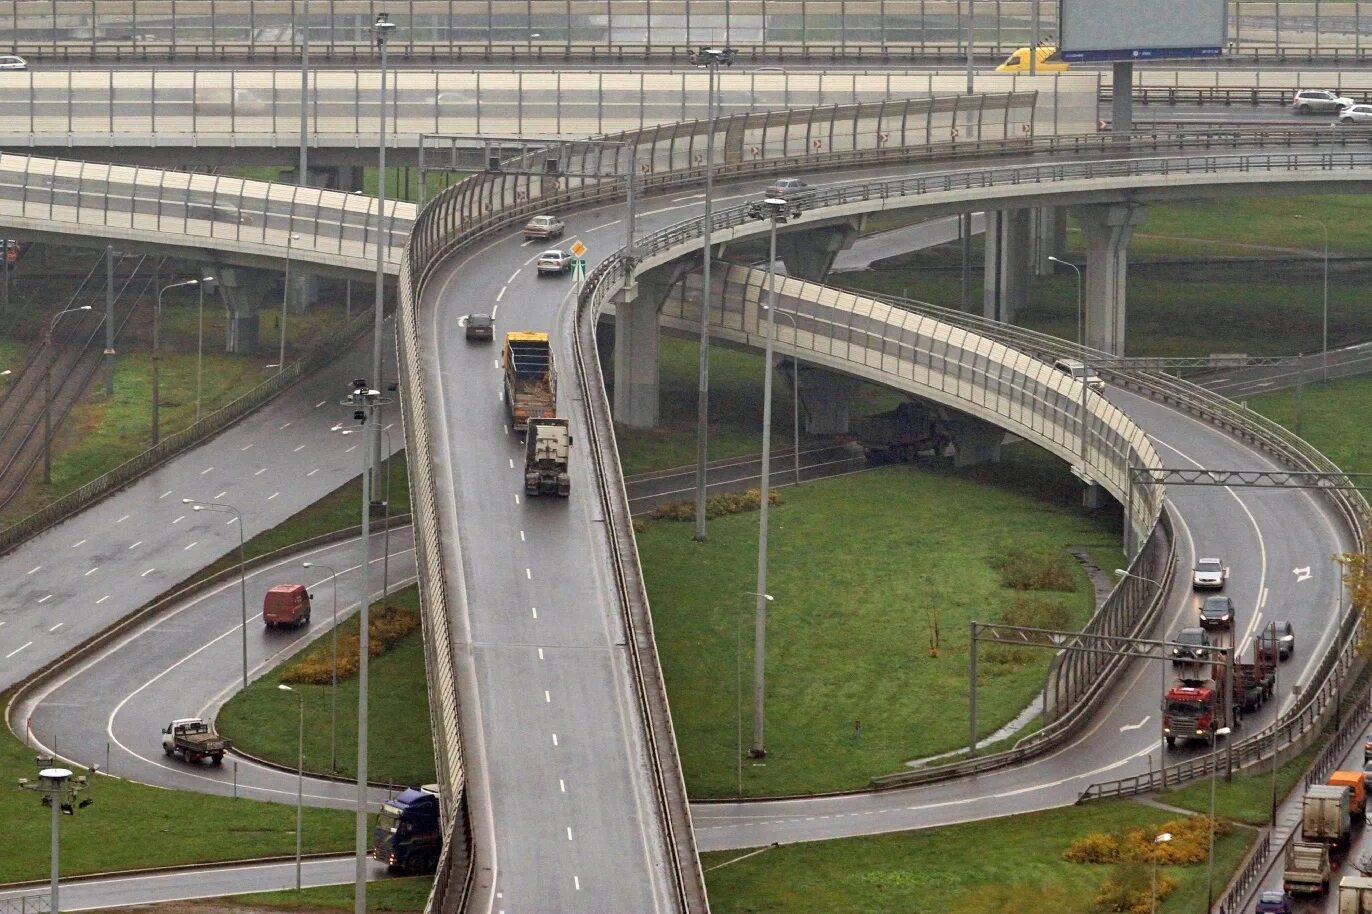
299, 777
776, 211
1081, 318
365, 400
47, 392
382, 29
60, 796
1210, 866
156, 358
205, 283
795, 388
242, 566
304, 173
285, 300
333, 683
1157, 843
1324, 322
711, 59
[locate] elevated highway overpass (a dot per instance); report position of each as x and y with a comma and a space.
451, 577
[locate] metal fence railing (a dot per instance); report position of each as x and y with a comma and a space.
316, 224
556, 29
26, 904
251, 107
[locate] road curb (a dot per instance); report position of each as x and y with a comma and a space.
175, 868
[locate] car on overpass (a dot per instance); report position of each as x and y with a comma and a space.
1315, 101
553, 262
1217, 612
1079, 371
1356, 114
1208, 574
13, 62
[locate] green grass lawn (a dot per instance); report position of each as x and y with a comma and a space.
262, 719
1000, 866
407, 894
402, 183
1333, 417
1245, 797
862, 569
131, 825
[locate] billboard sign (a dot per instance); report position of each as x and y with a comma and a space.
1140, 29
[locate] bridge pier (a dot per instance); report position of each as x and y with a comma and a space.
1107, 228
974, 440
242, 307
1008, 245
1049, 238
809, 254
827, 399
637, 337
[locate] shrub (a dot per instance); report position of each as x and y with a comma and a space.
1096, 847
1037, 612
387, 626
716, 505
1024, 568
1190, 843
1129, 889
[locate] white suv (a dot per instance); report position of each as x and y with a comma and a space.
1309, 101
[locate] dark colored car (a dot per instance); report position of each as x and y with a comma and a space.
1367, 748
480, 327
1217, 612
1273, 901
1285, 635
1192, 644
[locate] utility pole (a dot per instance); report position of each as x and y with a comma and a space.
109, 320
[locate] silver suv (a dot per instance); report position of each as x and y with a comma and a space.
1309, 101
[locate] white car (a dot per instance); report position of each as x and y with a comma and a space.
1309, 101
555, 262
1208, 573
1356, 114
1074, 368
13, 62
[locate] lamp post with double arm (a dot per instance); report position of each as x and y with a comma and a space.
47, 391
242, 566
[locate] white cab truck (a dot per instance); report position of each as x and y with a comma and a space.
193, 739
1307, 868
547, 447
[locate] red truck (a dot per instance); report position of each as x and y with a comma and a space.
1193, 708
287, 604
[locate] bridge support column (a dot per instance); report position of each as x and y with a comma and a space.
1008, 242
974, 441
809, 254
241, 304
1107, 229
827, 399
636, 345
1092, 496
1049, 238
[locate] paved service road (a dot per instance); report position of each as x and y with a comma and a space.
187, 661
210, 882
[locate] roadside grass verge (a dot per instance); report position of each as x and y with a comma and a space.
262, 719
864, 569
1333, 416
1246, 797
396, 894
996, 866
131, 825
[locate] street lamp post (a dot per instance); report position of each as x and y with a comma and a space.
1210, 866
59, 790
285, 300
205, 283
1324, 322
711, 59
795, 387
156, 358
333, 682
299, 777
304, 175
47, 392
242, 566
776, 211
382, 29
365, 401
1157, 842
1081, 320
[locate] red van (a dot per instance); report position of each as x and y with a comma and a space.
287, 604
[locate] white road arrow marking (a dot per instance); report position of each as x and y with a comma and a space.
1302, 574
1136, 726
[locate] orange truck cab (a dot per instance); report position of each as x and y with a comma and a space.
1357, 787
287, 604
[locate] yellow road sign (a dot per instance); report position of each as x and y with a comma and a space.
578, 249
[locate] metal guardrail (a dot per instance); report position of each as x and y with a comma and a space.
26, 904
552, 29
79, 499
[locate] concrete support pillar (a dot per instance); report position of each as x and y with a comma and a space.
809, 253
636, 344
1107, 228
241, 304
1122, 98
975, 441
827, 398
1048, 227
1006, 286
350, 178
1092, 496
